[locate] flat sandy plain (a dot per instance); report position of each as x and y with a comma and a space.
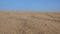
29, 23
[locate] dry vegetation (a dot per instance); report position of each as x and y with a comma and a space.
29, 23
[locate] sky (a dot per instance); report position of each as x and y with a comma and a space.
40, 5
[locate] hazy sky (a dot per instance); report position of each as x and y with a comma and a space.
47, 5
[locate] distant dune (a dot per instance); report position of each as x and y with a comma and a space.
29, 23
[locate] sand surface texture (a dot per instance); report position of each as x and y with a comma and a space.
29, 23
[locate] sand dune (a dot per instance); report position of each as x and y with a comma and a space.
29, 23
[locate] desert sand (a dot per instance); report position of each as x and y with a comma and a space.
29, 23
